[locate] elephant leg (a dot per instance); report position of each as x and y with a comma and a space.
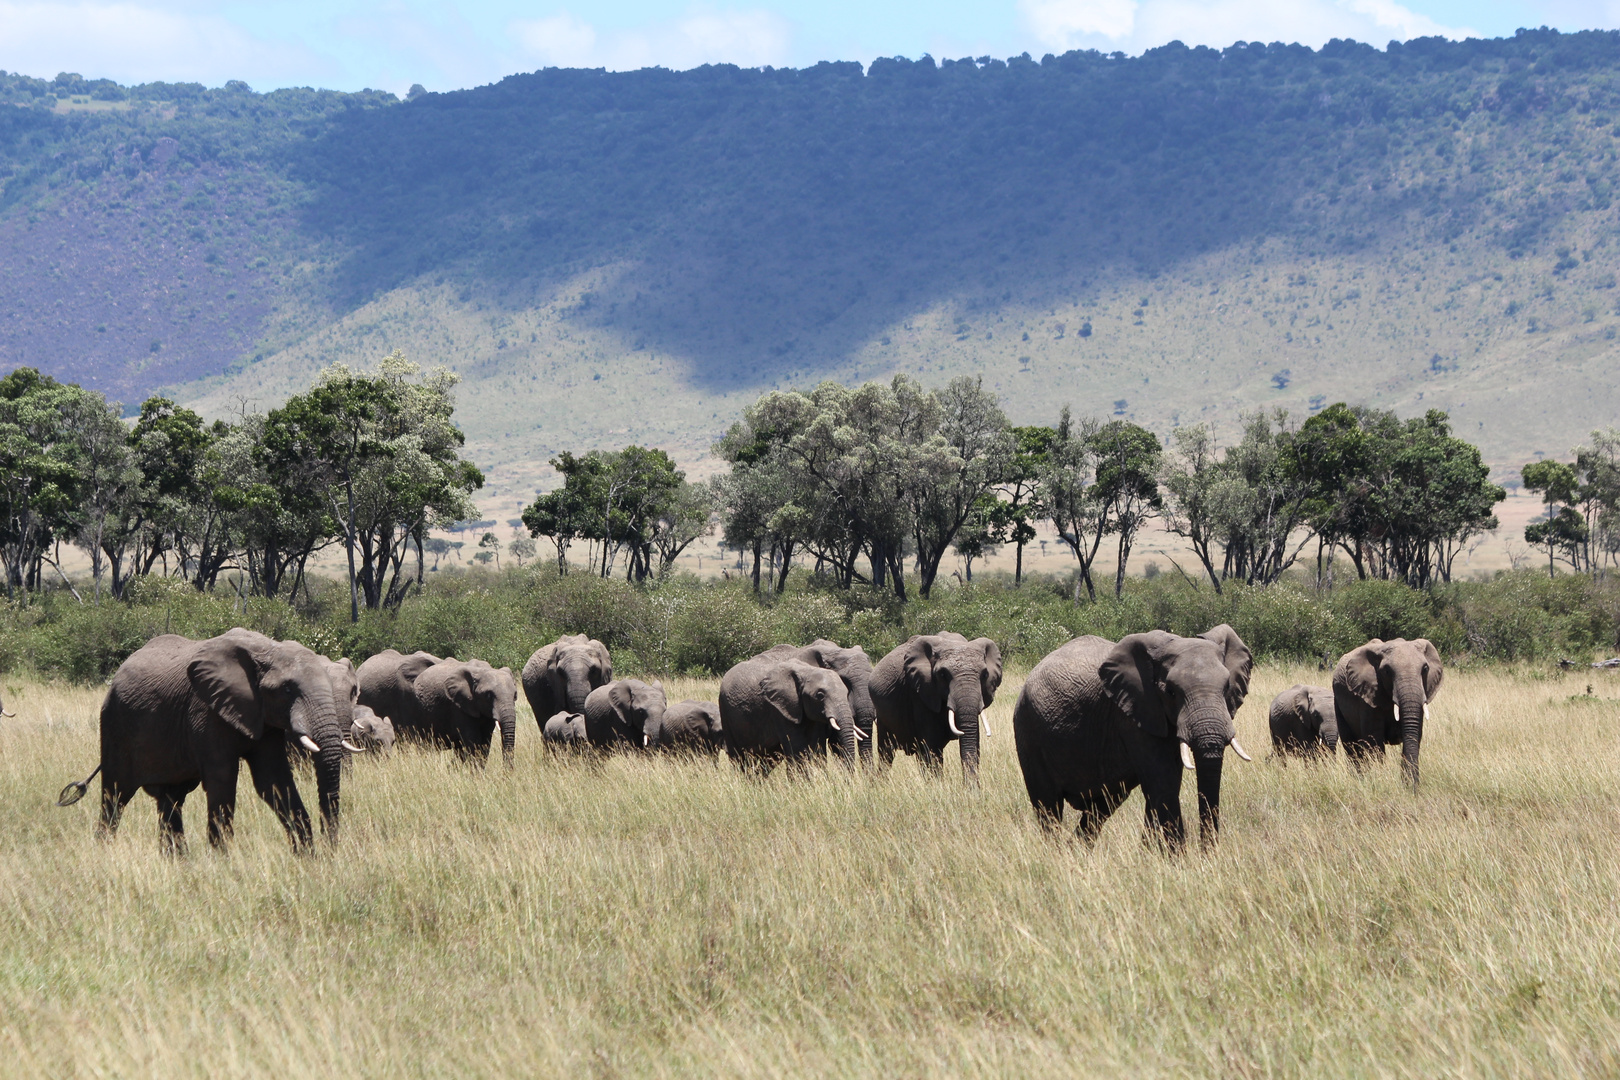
171, 799
273, 780
114, 797
1363, 752
864, 750
219, 784
1162, 819
1094, 808
930, 758
887, 745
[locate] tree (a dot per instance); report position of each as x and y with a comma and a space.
41, 475
1021, 485
562, 514
987, 525
1127, 485
1563, 530
1197, 485
956, 468
520, 548
1068, 492
110, 480
384, 455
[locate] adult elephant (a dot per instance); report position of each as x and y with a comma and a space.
625, 712
461, 702
693, 727
346, 692
387, 684
181, 713
773, 709
560, 676
932, 690
1097, 718
855, 669
1381, 695
1303, 722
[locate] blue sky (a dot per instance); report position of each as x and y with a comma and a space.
448, 44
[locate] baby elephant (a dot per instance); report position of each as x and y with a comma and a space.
625, 712
370, 731
692, 726
1303, 724
564, 729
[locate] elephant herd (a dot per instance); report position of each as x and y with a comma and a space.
1095, 719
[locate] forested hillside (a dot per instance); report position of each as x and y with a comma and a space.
608, 258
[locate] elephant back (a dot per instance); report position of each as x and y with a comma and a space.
692, 725
1064, 688
387, 686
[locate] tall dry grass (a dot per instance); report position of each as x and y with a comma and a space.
657, 917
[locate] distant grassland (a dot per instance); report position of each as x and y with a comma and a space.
663, 918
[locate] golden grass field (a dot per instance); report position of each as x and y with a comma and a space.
661, 917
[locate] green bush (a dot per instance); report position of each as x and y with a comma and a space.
690, 625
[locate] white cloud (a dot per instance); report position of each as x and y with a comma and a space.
1065, 24
1134, 25
750, 38
131, 42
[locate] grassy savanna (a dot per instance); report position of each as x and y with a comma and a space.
674, 918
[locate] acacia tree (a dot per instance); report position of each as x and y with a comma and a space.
1127, 484
384, 456
1068, 492
1562, 530
1021, 486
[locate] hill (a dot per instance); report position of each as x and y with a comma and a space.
632, 257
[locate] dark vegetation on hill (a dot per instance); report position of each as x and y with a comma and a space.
773, 220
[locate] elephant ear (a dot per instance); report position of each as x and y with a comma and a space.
990, 680
780, 686
461, 688
412, 666
225, 675
1239, 663
1132, 680
1358, 672
919, 667
1437, 674
622, 700
606, 660
1302, 702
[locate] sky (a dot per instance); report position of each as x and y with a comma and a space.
453, 44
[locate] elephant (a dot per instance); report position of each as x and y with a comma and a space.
387, 687
1303, 723
370, 731
461, 702
1381, 695
564, 728
559, 677
855, 669
1096, 719
933, 689
181, 713
773, 709
625, 712
346, 692
692, 726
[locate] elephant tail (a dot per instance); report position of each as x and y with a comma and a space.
76, 789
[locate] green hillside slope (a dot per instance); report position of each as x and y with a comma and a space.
632, 257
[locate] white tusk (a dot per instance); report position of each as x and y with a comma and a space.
353, 749
859, 735
309, 744
1240, 751
1186, 757
984, 725
833, 720
646, 740
950, 718
3, 712
1425, 712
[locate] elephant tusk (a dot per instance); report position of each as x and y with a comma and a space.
309, 744
1186, 757
859, 735
1425, 712
353, 749
950, 718
1239, 748
6, 713
984, 726
646, 740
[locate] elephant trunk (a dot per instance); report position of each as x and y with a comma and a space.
1206, 729
328, 772
506, 716
316, 718
847, 739
970, 750
860, 703
577, 685
1409, 702
963, 717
